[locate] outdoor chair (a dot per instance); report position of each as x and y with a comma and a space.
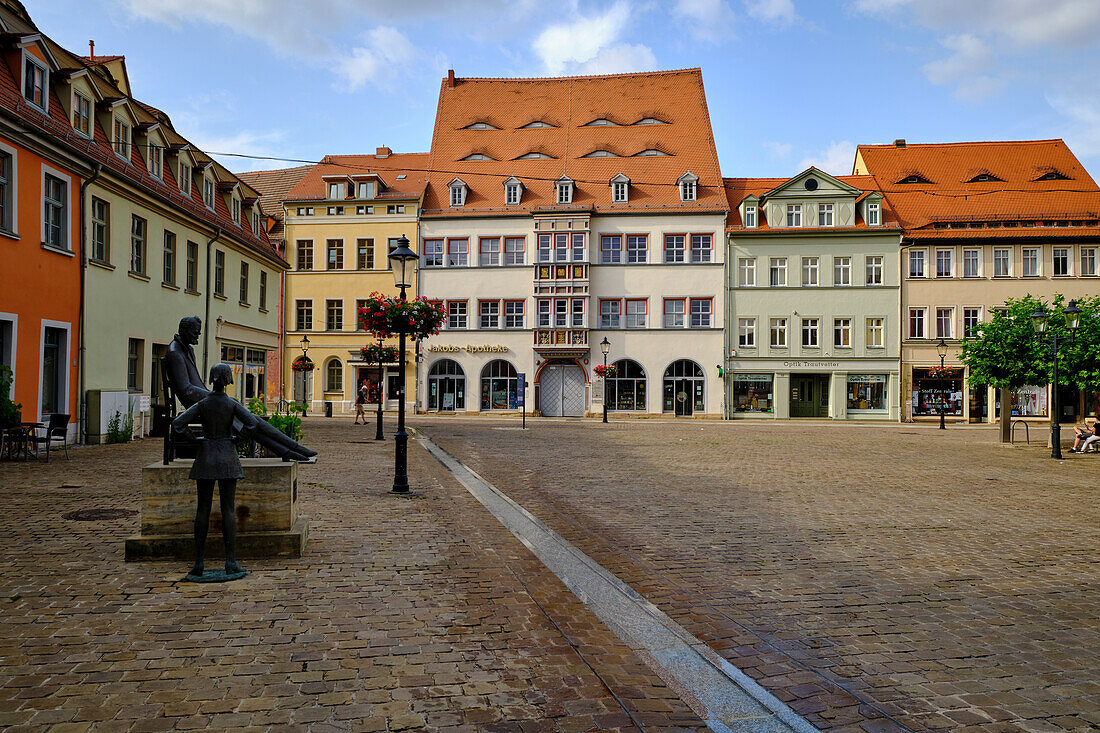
56, 430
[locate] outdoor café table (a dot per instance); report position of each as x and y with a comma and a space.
17, 440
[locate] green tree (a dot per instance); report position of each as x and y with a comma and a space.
1005, 352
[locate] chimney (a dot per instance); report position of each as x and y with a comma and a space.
899, 143
91, 49
382, 152
450, 78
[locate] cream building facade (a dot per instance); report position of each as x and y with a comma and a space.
341, 220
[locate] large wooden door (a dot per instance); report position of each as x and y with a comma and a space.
561, 391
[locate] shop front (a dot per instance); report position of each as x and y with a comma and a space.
857, 389
934, 390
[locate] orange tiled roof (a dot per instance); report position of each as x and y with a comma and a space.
568, 105
950, 196
738, 188
414, 166
273, 186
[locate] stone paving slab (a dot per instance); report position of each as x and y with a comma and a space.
419, 613
873, 579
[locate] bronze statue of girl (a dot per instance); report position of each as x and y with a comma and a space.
217, 461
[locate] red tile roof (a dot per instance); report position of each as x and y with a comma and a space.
569, 104
738, 188
413, 166
950, 196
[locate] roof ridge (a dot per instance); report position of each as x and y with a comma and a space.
659, 72
964, 142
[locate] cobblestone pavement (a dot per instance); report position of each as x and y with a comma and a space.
875, 579
406, 613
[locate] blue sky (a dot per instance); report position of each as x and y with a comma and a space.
789, 82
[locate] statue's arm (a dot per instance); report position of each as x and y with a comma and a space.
249, 422
181, 425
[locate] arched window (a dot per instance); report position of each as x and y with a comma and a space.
446, 386
334, 376
626, 390
499, 385
684, 388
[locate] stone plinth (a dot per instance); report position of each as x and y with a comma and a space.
268, 524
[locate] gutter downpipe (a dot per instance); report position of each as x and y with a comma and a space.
206, 317
727, 312
82, 402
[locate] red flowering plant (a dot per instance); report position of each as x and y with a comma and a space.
302, 364
604, 371
381, 315
378, 354
944, 372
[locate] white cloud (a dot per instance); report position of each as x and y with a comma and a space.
707, 20
619, 59
965, 67
582, 40
778, 12
835, 160
271, 144
778, 150
1083, 115
386, 50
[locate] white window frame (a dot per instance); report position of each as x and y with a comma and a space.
794, 215
842, 331
635, 320
777, 272
564, 192
1009, 260
874, 269
777, 333
949, 332
29, 58
811, 325
67, 232
918, 256
746, 333
1092, 254
77, 99
826, 216
913, 310
488, 314
458, 194
688, 190
611, 313
842, 272
66, 360
511, 194
1038, 252
977, 260
619, 192
209, 191
970, 309
874, 214
811, 266
875, 332
122, 148
1054, 261
750, 216
947, 255
746, 272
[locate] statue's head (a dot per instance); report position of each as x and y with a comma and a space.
190, 328
221, 375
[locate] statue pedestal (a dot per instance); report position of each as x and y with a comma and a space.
268, 524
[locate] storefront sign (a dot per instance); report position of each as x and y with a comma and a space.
470, 349
521, 388
871, 378
812, 364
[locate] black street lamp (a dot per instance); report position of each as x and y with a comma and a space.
378, 432
1039, 323
941, 349
403, 263
305, 376
605, 347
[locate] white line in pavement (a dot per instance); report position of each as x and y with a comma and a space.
730, 700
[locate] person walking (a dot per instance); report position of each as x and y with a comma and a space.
361, 403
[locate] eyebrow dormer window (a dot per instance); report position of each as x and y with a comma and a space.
688, 184
984, 178
1053, 176
535, 156
82, 115
34, 82
565, 192
121, 142
535, 125
914, 179
600, 154
458, 193
601, 122
477, 156
650, 121
649, 153
480, 126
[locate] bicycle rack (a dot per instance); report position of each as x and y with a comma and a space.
1027, 432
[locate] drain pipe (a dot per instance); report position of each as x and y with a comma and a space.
206, 317
82, 400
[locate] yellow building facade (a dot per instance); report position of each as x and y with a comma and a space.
341, 221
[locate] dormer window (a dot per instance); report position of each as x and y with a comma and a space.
650, 121
874, 214
121, 142
650, 153
156, 160
458, 193
535, 156
236, 209
914, 178
601, 122
480, 126
513, 191
366, 189
184, 177
256, 220
535, 125
688, 184
565, 191
1053, 176
984, 178
34, 81
600, 154
336, 191
620, 189
477, 156
750, 216
82, 115
208, 192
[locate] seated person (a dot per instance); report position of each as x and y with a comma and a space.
1086, 437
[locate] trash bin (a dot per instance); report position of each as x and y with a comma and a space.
328, 409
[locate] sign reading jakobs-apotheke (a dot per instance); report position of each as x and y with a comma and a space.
469, 349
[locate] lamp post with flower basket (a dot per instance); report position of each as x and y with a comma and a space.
941, 349
303, 365
380, 354
605, 371
385, 316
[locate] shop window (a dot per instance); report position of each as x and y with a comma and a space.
867, 393
931, 392
627, 389
1030, 401
753, 393
499, 386
446, 386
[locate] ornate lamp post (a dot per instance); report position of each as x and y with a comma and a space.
941, 349
305, 377
403, 263
1039, 323
378, 433
605, 347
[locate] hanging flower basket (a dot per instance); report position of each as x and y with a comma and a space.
302, 364
604, 371
943, 372
383, 316
375, 354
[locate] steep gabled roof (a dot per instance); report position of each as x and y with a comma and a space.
737, 189
570, 104
953, 195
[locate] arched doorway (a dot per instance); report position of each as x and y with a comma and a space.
498, 386
684, 388
446, 386
561, 390
627, 389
